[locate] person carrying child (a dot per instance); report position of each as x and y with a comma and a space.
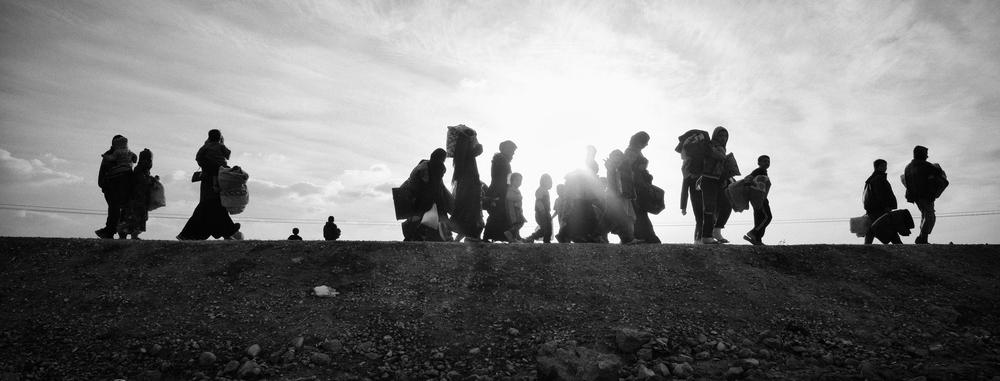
114, 178
543, 215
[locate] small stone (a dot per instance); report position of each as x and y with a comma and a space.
297, 342
868, 371
936, 348
155, 349
437, 356
799, 349
231, 367
721, 347
249, 368
662, 369
372, 355
513, 332
764, 353
750, 363
703, 355
320, 358
643, 373
745, 353
702, 339
297, 260
332, 346
386, 338
645, 354
206, 359
734, 372
474, 351
367, 346
682, 370
288, 356
149, 375
253, 350
680, 358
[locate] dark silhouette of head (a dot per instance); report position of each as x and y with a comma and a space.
515, 180
439, 155
880, 165
764, 161
507, 148
295, 231
720, 136
639, 141
146, 158
119, 142
560, 189
545, 182
214, 136
920, 153
329, 219
436, 165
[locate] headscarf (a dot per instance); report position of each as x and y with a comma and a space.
119, 142
720, 136
638, 140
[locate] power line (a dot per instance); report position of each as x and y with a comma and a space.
283, 220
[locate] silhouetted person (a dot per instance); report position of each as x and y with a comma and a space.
688, 188
515, 209
330, 231
496, 195
468, 214
295, 235
426, 187
924, 183
137, 210
760, 185
114, 178
878, 201
561, 209
619, 216
583, 193
210, 218
543, 212
635, 178
711, 184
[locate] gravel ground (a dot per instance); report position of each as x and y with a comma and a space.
79, 309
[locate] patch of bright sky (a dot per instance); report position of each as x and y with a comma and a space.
329, 104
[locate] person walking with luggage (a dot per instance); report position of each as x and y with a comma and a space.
760, 185
496, 195
330, 231
137, 210
115, 180
425, 187
878, 201
711, 184
924, 183
210, 218
543, 211
468, 214
635, 177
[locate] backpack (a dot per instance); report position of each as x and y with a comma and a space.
693, 147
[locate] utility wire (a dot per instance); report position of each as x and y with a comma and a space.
174, 216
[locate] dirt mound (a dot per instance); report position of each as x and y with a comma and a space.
157, 310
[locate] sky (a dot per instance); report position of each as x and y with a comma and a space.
329, 104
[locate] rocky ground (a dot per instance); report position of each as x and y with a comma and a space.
156, 310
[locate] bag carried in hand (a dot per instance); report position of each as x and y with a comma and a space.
860, 225
650, 197
157, 195
233, 189
693, 147
402, 201
738, 194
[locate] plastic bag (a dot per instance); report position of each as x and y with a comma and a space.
430, 218
157, 195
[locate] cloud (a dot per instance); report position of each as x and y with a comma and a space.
33, 172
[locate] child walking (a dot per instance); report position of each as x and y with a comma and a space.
760, 185
515, 211
543, 216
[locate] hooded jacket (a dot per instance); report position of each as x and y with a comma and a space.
878, 197
922, 180
714, 165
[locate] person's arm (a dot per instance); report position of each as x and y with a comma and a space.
684, 195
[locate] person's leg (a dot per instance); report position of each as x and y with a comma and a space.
709, 197
546, 230
927, 219
762, 227
698, 211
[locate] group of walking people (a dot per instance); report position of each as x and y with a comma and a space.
588, 207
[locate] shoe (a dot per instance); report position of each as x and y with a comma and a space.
717, 234
749, 237
710, 241
238, 236
921, 240
103, 234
